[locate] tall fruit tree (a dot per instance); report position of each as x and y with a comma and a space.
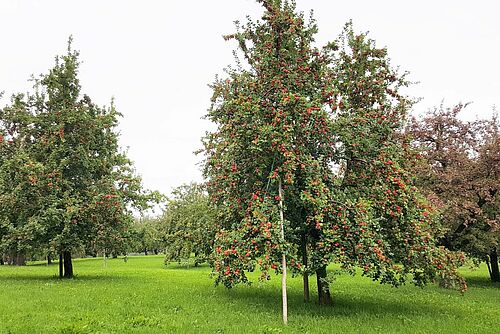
297, 137
82, 187
273, 141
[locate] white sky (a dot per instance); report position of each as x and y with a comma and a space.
157, 58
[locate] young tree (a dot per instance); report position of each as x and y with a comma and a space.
317, 129
187, 225
74, 186
461, 172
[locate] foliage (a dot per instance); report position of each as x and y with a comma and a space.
461, 173
64, 182
325, 122
147, 235
188, 224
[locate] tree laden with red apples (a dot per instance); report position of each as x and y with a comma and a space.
385, 226
326, 123
273, 126
460, 173
64, 184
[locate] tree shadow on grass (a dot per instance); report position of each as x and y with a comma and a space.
344, 304
16, 278
482, 282
186, 266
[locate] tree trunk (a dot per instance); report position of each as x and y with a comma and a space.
324, 297
283, 257
145, 251
305, 276
49, 259
494, 273
18, 260
1, 261
61, 265
68, 265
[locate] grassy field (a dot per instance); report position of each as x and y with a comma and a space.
144, 296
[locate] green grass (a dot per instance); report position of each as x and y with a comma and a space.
144, 296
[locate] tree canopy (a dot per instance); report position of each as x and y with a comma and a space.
324, 122
188, 224
64, 182
460, 174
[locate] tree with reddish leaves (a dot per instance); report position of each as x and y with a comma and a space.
317, 130
460, 173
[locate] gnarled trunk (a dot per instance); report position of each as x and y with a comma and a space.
324, 297
494, 271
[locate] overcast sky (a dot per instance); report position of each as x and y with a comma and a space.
157, 58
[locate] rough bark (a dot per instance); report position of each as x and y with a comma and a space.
68, 265
494, 273
324, 297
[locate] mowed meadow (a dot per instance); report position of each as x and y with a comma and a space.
143, 295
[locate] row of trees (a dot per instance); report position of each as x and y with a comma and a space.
64, 182
184, 231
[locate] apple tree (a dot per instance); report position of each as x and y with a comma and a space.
187, 225
65, 181
307, 141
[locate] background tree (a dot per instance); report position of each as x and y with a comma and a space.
324, 123
460, 173
187, 225
148, 235
79, 186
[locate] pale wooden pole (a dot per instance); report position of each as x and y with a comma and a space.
283, 257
